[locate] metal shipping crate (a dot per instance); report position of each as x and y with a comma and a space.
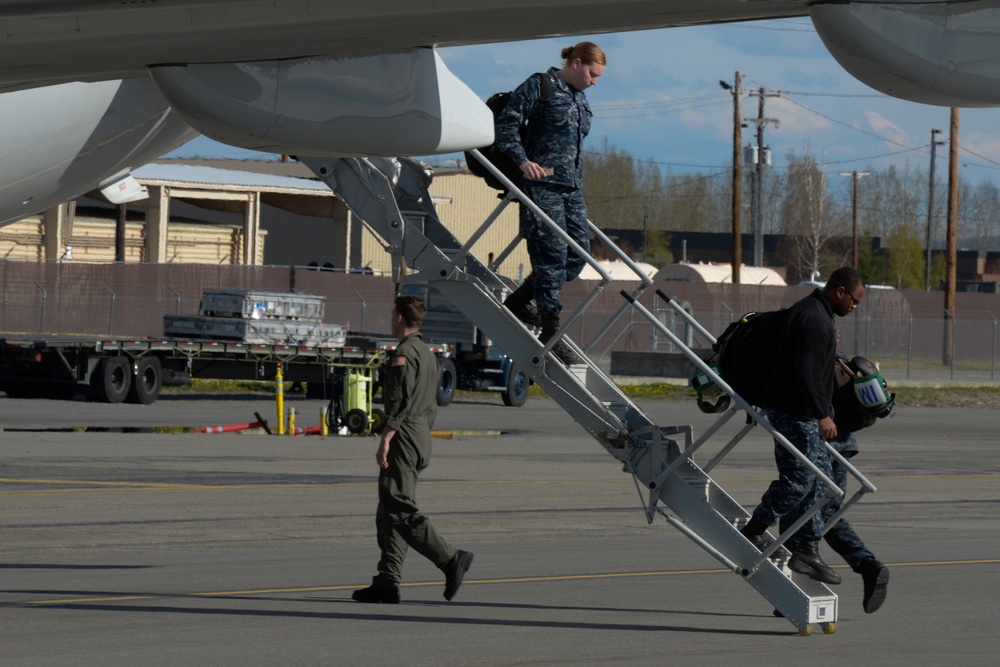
258, 305
260, 332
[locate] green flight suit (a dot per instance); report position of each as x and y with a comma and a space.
410, 392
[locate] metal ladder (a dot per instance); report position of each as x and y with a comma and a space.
390, 196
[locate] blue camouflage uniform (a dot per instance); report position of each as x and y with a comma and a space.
555, 139
842, 538
795, 400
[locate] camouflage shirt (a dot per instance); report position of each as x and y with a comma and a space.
557, 140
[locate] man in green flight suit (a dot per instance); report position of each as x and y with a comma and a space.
404, 450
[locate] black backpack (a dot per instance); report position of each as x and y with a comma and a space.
497, 102
744, 356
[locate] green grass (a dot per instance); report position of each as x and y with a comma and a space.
928, 364
197, 386
932, 397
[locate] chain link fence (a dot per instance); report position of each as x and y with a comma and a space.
905, 331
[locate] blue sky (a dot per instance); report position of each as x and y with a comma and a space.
660, 99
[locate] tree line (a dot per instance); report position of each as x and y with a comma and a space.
805, 201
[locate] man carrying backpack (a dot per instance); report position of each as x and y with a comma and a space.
798, 401
850, 416
550, 160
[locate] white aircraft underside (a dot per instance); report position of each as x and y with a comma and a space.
90, 90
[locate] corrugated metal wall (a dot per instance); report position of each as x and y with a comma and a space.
203, 235
93, 241
23, 240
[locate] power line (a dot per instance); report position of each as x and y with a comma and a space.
663, 112
996, 165
665, 107
848, 125
679, 101
632, 158
859, 159
804, 94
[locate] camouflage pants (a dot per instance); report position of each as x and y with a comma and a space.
841, 537
553, 264
796, 487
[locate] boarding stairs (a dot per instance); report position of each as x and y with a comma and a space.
391, 197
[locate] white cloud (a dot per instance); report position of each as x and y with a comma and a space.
890, 130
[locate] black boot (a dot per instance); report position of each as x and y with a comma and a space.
561, 349
519, 303
378, 593
876, 577
805, 560
454, 573
754, 531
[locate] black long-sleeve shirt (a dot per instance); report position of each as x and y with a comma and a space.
802, 381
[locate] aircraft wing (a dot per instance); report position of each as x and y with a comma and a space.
45, 42
90, 89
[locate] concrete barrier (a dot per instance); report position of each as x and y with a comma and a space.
654, 364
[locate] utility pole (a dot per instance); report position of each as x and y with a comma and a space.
737, 92
758, 191
930, 210
854, 210
951, 249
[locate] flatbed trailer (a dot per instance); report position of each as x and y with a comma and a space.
112, 370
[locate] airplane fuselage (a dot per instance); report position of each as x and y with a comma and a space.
89, 90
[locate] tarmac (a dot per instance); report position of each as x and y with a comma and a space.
122, 544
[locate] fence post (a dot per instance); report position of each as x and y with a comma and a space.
857, 330
364, 307
909, 344
41, 326
948, 315
177, 298
652, 333
868, 334
993, 350
111, 317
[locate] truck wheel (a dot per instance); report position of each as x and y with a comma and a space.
378, 421
111, 380
147, 382
447, 382
517, 387
356, 421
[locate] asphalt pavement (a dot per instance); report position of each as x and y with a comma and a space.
127, 539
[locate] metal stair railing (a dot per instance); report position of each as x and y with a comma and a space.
367, 187
832, 490
699, 507
754, 418
515, 193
